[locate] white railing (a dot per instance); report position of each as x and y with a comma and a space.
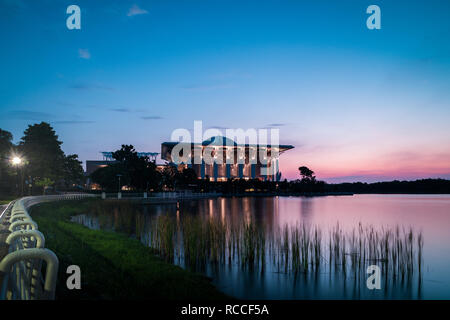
159, 196
21, 268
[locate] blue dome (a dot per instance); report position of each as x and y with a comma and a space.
219, 141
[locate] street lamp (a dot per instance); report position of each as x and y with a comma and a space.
17, 161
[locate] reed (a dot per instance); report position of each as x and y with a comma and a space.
163, 237
290, 249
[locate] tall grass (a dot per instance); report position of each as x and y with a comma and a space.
302, 248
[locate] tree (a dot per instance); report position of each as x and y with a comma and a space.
5, 141
189, 176
107, 178
306, 174
44, 183
6, 149
73, 171
170, 176
42, 149
136, 172
141, 171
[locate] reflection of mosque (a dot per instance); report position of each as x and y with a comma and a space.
258, 210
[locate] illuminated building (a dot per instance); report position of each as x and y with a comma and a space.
238, 161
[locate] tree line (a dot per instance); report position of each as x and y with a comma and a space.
141, 174
44, 166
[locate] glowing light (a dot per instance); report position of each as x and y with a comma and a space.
16, 161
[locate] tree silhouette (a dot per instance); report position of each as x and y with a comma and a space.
306, 174
138, 173
42, 149
73, 171
6, 149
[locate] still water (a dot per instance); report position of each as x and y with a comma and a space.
428, 215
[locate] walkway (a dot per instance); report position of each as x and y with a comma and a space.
4, 232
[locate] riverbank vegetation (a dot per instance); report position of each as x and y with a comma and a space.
298, 249
113, 265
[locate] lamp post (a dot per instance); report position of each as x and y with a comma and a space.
119, 194
17, 162
119, 175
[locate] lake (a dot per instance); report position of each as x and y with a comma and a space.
254, 244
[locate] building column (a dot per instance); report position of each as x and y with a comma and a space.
241, 170
277, 170
215, 170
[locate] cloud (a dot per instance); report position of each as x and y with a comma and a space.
124, 109
41, 116
206, 87
73, 121
135, 10
84, 54
219, 127
276, 124
29, 115
86, 86
121, 110
64, 103
273, 125
152, 118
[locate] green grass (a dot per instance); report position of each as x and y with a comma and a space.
6, 199
113, 266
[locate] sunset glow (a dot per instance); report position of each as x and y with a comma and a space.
357, 104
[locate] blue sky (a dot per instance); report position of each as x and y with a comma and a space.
357, 104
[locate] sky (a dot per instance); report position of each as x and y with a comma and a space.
357, 104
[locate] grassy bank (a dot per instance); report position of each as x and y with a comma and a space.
6, 199
113, 266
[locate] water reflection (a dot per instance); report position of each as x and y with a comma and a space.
270, 215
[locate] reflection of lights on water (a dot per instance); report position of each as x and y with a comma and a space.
246, 207
222, 209
211, 208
